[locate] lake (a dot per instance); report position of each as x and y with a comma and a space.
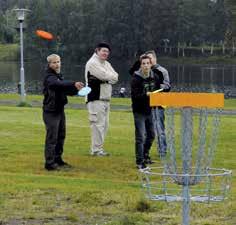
210, 78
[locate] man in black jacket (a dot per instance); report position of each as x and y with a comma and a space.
143, 82
55, 90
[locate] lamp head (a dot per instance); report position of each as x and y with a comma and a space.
21, 14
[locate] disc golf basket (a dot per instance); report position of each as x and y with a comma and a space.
192, 125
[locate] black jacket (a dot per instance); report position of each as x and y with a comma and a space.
55, 90
139, 88
95, 84
161, 73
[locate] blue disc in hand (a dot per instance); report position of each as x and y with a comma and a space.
84, 91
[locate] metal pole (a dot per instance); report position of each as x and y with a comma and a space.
187, 129
22, 72
186, 203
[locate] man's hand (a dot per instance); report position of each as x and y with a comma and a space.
79, 85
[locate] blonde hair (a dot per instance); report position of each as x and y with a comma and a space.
52, 56
152, 52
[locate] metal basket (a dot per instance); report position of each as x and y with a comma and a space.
192, 127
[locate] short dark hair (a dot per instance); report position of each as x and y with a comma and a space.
144, 56
103, 45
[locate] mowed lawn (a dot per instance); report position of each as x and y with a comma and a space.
105, 190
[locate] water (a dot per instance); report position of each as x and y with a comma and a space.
211, 78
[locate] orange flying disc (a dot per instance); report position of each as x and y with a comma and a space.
44, 34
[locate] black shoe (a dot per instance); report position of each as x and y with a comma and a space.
51, 167
148, 161
63, 164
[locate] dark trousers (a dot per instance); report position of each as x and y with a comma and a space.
144, 136
55, 136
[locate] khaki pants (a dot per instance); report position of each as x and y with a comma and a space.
99, 121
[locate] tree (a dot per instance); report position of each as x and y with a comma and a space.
230, 34
131, 27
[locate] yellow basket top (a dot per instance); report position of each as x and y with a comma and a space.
187, 99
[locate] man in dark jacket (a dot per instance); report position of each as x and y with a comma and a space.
143, 82
55, 90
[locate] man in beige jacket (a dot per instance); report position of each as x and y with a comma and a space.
99, 76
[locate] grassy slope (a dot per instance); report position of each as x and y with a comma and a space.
97, 190
8, 52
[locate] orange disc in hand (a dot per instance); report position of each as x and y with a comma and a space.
44, 34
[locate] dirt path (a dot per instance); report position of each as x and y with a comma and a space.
83, 106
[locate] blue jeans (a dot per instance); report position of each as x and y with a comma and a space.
144, 136
159, 124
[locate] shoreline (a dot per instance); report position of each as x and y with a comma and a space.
10, 53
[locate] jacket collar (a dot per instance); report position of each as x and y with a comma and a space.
155, 66
51, 71
98, 58
140, 74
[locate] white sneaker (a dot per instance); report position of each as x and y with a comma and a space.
94, 153
103, 153
142, 167
100, 153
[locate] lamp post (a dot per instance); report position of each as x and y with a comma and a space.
21, 17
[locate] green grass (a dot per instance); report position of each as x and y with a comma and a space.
8, 52
14, 99
230, 103
97, 190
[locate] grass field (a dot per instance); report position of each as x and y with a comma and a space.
97, 190
8, 52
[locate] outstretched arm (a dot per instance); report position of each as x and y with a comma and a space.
70, 87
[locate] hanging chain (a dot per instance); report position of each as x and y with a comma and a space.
215, 131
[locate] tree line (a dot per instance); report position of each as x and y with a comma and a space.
129, 26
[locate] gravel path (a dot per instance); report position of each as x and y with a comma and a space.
83, 106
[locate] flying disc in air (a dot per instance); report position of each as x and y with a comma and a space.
158, 90
84, 91
44, 34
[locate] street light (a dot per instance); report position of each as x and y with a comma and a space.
21, 17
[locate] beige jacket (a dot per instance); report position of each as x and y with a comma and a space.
102, 70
